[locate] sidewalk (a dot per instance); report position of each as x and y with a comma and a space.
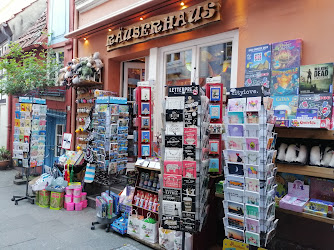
27, 226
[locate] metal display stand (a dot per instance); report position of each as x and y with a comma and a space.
28, 197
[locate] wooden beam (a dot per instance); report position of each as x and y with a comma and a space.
314, 171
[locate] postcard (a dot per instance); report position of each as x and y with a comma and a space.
235, 130
236, 143
235, 117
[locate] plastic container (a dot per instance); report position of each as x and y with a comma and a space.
83, 196
77, 199
78, 206
56, 200
44, 198
70, 206
76, 191
84, 203
68, 198
68, 191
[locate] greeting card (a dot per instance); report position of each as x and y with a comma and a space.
237, 182
252, 225
236, 104
252, 198
189, 152
235, 143
214, 111
235, 117
252, 238
286, 54
233, 194
235, 169
145, 108
123, 109
145, 136
234, 207
145, 94
252, 211
175, 115
252, 184
215, 93
235, 156
214, 147
251, 171
213, 165
173, 154
189, 169
145, 150
173, 141
252, 117
145, 122
216, 128
190, 136
235, 234
174, 128
235, 221
252, 157
175, 102
252, 130
235, 130
253, 103
172, 181
171, 208
252, 144
114, 109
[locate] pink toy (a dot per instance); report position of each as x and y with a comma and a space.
77, 191
78, 206
84, 203
68, 198
69, 191
297, 197
77, 199
83, 196
70, 206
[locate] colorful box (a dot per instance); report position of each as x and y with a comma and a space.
284, 81
56, 200
286, 54
322, 102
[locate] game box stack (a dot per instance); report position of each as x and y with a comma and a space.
249, 188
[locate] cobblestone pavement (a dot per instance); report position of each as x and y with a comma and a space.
27, 226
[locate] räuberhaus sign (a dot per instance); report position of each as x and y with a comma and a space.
163, 25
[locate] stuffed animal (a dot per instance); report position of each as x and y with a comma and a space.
331, 163
291, 153
315, 156
302, 156
327, 157
281, 152
86, 71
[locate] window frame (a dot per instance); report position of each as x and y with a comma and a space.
56, 139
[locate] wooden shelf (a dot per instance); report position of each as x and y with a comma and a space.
147, 190
145, 209
151, 245
87, 83
307, 216
153, 169
219, 195
314, 171
307, 133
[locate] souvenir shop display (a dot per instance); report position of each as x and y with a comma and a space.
29, 137
249, 189
143, 121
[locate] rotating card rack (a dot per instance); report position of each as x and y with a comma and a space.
29, 138
249, 190
144, 135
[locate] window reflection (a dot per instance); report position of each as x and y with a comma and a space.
178, 68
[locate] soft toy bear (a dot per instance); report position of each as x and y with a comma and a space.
327, 157
315, 156
302, 156
281, 152
291, 153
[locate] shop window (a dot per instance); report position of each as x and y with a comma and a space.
134, 72
58, 139
178, 68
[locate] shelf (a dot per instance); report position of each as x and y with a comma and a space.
145, 209
153, 169
321, 172
308, 133
87, 83
219, 195
147, 190
151, 245
307, 216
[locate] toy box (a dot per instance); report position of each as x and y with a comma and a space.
319, 207
297, 197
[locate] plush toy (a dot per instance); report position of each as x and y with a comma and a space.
302, 156
291, 153
327, 157
315, 156
331, 163
86, 71
281, 152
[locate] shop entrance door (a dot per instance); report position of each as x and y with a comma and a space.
133, 72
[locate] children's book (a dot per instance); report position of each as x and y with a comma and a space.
322, 102
316, 78
288, 103
284, 81
286, 54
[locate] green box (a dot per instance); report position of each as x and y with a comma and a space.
44, 198
56, 200
219, 188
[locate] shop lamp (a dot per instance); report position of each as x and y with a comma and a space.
182, 3
141, 19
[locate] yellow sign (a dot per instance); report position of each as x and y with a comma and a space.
163, 25
234, 245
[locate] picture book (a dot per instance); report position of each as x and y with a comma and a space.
286, 54
322, 102
284, 81
288, 103
316, 78
258, 58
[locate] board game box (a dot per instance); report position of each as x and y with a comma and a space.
288, 103
284, 81
257, 78
286, 54
316, 78
322, 102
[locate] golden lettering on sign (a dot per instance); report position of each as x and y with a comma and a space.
172, 23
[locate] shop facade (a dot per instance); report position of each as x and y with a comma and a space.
170, 54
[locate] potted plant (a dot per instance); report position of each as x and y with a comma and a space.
4, 158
